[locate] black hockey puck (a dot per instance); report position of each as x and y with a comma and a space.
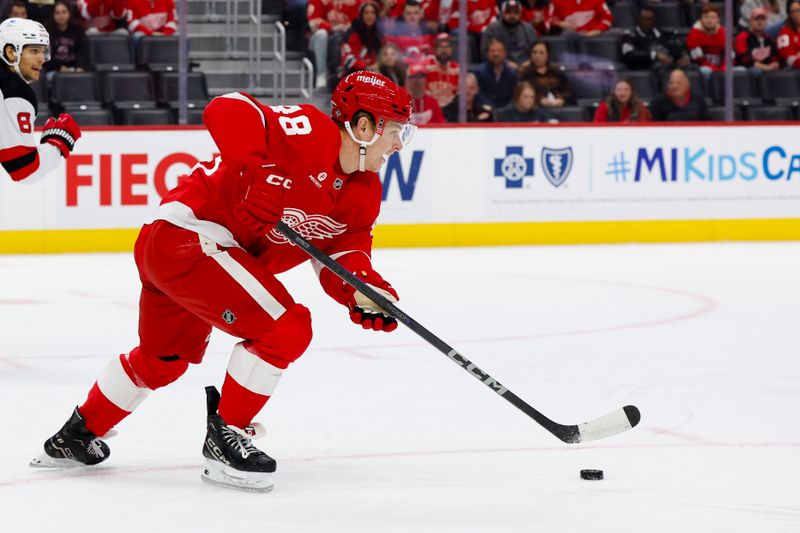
591, 474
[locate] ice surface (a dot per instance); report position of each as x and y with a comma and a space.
380, 432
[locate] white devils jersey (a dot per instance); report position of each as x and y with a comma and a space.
21, 155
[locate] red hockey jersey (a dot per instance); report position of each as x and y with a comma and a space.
480, 13
150, 16
102, 14
442, 80
336, 15
426, 111
789, 46
585, 15
706, 50
355, 55
334, 211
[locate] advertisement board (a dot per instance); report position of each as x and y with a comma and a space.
456, 185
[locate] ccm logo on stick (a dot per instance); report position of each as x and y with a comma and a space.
477, 372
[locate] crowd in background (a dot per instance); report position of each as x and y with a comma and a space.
512, 74
68, 23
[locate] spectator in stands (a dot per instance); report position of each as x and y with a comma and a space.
443, 72
18, 10
552, 86
328, 20
480, 13
774, 9
411, 36
393, 9
151, 17
68, 49
789, 36
362, 41
584, 17
678, 104
534, 13
649, 47
103, 16
754, 49
622, 105
496, 77
391, 65
517, 36
706, 41
426, 110
523, 106
478, 107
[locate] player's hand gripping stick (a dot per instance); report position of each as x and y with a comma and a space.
263, 202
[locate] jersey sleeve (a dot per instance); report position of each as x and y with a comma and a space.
21, 156
353, 249
238, 126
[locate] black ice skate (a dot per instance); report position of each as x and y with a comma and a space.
231, 459
72, 446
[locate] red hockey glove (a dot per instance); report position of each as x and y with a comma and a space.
367, 313
61, 132
262, 205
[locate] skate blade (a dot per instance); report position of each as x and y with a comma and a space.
220, 475
47, 462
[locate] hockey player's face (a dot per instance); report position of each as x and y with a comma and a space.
387, 144
31, 62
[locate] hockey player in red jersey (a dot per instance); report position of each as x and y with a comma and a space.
210, 254
25, 46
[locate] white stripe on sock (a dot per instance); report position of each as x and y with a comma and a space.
116, 385
252, 372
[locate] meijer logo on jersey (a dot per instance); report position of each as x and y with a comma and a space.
372, 80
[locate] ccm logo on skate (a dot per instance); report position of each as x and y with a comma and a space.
477, 372
274, 179
216, 452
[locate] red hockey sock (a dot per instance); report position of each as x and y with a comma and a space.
238, 406
100, 413
114, 396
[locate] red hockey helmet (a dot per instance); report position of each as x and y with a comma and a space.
371, 92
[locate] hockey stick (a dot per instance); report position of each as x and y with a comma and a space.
615, 422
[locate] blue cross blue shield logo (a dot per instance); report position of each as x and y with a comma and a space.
513, 167
556, 163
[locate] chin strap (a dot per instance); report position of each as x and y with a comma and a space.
15, 67
362, 147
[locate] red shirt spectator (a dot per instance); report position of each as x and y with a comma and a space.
152, 17
442, 72
480, 13
589, 17
362, 42
409, 34
706, 40
425, 108
394, 9
789, 37
753, 47
101, 15
536, 15
331, 15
